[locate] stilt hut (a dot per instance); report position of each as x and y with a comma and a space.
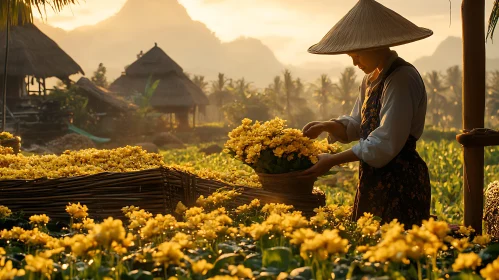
33, 57
176, 94
110, 108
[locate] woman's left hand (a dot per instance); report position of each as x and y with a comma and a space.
325, 163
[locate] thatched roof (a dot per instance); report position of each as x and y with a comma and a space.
153, 62
105, 96
33, 53
175, 89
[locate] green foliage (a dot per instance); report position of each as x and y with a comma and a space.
72, 100
99, 77
143, 100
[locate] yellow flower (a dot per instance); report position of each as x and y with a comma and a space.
168, 253
110, 233
7, 271
276, 208
201, 267
466, 231
460, 244
482, 239
368, 224
440, 229
240, 271
181, 208
184, 240
39, 219
5, 212
224, 277
77, 211
467, 261
39, 264
491, 271
324, 245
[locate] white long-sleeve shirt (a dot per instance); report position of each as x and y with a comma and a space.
403, 111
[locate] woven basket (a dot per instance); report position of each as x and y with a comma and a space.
155, 190
287, 183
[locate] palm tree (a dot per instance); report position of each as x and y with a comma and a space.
21, 11
242, 89
323, 93
346, 90
274, 93
199, 81
289, 88
492, 97
220, 93
435, 88
493, 19
454, 83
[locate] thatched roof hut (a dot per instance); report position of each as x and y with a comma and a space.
175, 90
32, 53
103, 100
176, 93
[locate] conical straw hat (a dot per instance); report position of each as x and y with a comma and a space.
368, 26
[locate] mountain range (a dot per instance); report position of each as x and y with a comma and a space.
450, 52
140, 24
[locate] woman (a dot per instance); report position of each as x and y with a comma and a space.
387, 119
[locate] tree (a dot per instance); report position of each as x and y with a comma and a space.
493, 19
99, 77
199, 81
454, 83
274, 93
347, 89
323, 93
289, 88
492, 97
220, 93
437, 102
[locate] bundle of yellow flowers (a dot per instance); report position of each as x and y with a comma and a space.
272, 148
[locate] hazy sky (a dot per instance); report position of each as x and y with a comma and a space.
288, 27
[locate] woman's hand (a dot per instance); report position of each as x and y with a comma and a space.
313, 129
325, 163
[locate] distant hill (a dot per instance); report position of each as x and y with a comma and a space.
450, 52
117, 40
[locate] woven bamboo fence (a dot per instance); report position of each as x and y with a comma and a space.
155, 190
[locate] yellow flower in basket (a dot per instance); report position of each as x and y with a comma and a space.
275, 151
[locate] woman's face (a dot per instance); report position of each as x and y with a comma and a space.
367, 61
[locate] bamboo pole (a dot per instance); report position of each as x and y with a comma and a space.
473, 28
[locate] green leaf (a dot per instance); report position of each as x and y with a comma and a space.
305, 272
224, 260
277, 257
466, 276
140, 275
228, 248
489, 254
253, 261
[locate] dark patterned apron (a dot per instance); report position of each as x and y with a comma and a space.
400, 190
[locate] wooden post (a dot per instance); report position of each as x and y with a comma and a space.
44, 88
194, 117
473, 24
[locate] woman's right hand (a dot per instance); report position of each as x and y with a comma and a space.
313, 129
